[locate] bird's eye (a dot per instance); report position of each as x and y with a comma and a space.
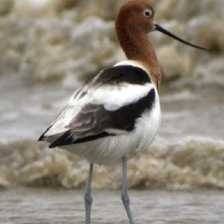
148, 13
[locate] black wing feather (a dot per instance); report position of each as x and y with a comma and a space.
123, 73
41, 138
68, 139
94, 121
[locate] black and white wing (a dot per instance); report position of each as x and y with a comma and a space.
107, 106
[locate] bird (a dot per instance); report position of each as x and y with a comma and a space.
117, 113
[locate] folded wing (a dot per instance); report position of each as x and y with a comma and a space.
100, 110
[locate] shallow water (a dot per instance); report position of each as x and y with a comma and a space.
41, 206
26, 108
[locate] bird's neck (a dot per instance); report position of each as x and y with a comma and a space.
137, 46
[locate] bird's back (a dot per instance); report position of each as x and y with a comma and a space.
115, 114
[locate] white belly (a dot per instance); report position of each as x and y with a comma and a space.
112, 149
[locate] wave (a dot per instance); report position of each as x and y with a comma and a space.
195, 163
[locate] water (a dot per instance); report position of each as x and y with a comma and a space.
42, 206
176, 161
188, 152
30, 109
26, 108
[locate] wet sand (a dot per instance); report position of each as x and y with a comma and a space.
47, 206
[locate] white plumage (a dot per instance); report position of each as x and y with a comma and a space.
112, 97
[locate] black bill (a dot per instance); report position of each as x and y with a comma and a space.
162, 30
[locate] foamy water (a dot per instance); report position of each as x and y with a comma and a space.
191, 165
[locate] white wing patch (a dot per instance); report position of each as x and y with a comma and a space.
115, 97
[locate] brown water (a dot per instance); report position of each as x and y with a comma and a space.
41, 206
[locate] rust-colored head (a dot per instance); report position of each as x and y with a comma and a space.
136, 15
134, 21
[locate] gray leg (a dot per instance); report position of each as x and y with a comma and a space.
124, 192
88, 195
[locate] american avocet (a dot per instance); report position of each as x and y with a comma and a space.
118, 112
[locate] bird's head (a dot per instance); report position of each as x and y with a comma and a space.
138, 16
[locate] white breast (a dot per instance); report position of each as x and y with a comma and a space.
112, 149
148, 125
